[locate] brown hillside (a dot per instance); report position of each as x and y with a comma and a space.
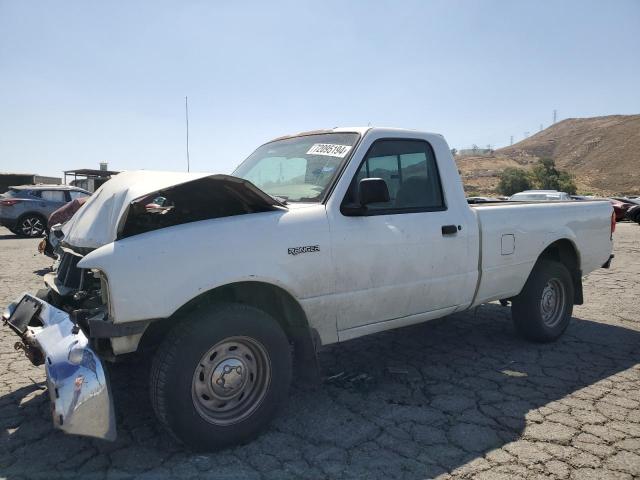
602, 153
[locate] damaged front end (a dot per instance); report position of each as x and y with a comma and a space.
136, 202
133, 203
70, 327
81, 402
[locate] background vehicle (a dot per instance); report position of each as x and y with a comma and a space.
633, 213
631, 200
317, 238
473, 200
620, 208
539, 196
582, 197
50, 244
25, 209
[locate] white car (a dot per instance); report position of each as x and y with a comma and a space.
317, 238
539, 196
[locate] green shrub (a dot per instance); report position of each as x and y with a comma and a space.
513, 180
543, 176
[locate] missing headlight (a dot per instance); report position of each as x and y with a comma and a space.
104, 288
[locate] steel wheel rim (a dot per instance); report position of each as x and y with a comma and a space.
231, 380
552, 304
31, 226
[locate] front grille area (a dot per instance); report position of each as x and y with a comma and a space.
69, 274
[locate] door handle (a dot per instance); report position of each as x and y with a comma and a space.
450, 229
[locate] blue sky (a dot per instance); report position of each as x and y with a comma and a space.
89, 81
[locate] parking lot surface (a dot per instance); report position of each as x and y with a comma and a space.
459, 397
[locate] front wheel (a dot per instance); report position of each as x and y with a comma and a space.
542, 311
30, 226
220, 375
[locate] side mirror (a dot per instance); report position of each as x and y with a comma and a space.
370, 190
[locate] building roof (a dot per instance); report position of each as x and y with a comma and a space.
91, 173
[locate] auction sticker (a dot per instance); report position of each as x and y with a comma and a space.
329, 150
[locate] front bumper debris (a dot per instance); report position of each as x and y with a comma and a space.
81, 402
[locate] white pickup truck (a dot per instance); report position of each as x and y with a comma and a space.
317, 238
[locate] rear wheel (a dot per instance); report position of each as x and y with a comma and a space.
542, 311
31, 225
220, 375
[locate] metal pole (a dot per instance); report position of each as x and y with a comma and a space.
186, 114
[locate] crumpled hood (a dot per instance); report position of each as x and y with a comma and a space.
98, 222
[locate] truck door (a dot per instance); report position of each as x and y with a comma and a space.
407, 256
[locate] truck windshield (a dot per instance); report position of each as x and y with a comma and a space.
298, 169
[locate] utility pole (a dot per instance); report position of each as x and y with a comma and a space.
555, 116
511, 141
186, 116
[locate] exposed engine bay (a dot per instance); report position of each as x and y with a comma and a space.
209, 197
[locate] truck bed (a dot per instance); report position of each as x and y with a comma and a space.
512, 234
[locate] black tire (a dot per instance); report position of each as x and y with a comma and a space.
542, 311
183, 371
629, 213
633, 214
31, 225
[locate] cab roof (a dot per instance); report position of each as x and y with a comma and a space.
360, 130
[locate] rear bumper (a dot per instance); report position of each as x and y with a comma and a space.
79, 391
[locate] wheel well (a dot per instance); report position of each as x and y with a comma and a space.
275, 301
565, 252
33, 214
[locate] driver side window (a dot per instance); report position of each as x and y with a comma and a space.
409, 169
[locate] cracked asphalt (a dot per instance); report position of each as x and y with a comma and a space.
459, 397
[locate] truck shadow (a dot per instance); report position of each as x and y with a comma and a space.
413, 403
